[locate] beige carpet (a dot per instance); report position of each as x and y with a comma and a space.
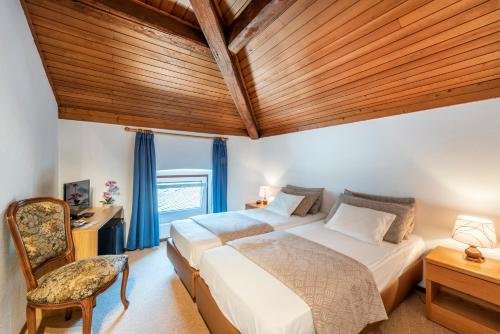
159, 303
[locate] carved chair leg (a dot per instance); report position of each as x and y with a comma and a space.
87, 306
31, 319
123, 293
68, 313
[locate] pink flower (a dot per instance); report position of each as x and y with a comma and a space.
106, 195
110, 183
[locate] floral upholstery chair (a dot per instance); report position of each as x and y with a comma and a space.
41, 231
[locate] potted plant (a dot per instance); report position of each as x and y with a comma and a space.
112, 190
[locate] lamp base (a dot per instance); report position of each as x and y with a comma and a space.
474, 254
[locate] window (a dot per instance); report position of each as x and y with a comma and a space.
182, 196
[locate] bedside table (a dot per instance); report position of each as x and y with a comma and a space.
462, 295
254, 206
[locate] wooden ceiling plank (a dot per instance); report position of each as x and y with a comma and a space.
372, 24
149, 122
376, 46
106, 24
210, 24
137, 81
103, 15
256, 17
183, 34
137, 68
396, 77
143, 87
67, 90
468, 75
126, 62
479, 91
136, 74
87, 102
145, 92
346, 75
274, 28
163, 98
477, 18
77, 91
295, 27
119, 41
83, 47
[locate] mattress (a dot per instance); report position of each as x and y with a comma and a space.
192, 239
256, 302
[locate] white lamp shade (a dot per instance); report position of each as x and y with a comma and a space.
263, 191
478, 232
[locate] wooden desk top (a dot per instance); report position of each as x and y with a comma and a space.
452, 259
101, 216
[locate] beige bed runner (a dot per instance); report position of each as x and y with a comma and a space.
340, 291
229, 226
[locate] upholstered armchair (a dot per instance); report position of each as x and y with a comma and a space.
41, 231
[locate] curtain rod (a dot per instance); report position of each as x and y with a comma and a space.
171, 133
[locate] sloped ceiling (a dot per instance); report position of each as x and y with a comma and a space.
317, 63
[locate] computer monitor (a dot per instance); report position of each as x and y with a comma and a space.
77, 195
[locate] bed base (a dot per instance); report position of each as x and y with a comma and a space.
186, 273
392, 296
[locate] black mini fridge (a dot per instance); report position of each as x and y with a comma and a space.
111, 238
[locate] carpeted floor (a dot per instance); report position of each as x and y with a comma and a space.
159, 303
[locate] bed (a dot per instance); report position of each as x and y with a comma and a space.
189, 240
230, 301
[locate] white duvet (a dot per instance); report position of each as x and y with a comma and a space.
192, 239
256, 302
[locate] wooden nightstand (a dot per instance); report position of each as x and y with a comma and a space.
462, 295
254, 206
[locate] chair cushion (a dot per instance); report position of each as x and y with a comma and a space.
77, 280
42, 230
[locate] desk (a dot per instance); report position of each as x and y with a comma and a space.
85, 237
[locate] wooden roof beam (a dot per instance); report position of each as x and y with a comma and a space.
253, 20
182, 34
210, 23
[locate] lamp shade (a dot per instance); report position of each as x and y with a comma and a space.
478, 232
263, 191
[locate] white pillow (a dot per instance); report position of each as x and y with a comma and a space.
361, 223
285, 204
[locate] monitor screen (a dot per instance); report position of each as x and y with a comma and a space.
77, 195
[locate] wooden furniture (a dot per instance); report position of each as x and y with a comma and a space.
392, 296
85, 237
186, 273
254, 205
462, 295
34, 266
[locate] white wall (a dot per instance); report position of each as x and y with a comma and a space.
102, 151
28, 147
448, 158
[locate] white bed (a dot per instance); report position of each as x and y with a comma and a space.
192, 239
256, 302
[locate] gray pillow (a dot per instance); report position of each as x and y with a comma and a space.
306, 204
398, 228
317, 205
410, 201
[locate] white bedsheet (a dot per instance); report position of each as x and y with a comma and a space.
256, 302
192, 239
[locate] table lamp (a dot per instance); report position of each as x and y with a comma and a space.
263, 192
475, 232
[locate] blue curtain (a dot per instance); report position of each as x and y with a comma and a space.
219, 176
144, 229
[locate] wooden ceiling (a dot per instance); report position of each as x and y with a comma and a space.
279, 66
